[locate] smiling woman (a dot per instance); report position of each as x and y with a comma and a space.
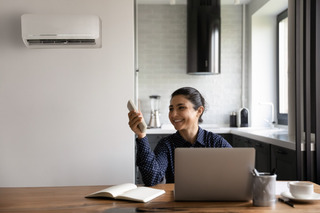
185, 110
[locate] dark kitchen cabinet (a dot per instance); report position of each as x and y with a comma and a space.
263, 158
262, 151
228, 137
270, 156
284, 161
239, 141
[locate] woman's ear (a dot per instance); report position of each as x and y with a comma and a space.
200, 110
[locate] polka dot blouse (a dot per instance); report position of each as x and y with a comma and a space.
158, 166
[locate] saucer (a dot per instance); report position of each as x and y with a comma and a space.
313, 197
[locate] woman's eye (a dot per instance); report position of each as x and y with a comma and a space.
181, 107
170, 109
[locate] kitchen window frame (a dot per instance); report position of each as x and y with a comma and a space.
282, 118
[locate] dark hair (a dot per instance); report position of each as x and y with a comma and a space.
193, 96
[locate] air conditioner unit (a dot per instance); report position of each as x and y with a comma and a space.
61, 31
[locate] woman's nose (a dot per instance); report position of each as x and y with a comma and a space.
172, 113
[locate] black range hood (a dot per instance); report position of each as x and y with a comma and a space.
203, 37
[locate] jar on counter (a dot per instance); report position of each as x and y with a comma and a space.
233, 119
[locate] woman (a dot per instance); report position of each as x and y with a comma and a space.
185, 111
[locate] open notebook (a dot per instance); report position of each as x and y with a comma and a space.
128, 191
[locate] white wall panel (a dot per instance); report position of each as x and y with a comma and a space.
63, 115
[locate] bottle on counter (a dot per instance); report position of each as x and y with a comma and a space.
243, 120
233, 119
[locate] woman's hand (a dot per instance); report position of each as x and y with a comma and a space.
135, 118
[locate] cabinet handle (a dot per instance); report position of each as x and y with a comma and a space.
281, 152
259, 145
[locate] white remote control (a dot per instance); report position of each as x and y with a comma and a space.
131, 107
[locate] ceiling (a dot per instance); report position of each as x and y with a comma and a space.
272, 8
223, 2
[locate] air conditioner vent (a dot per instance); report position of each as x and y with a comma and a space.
62, 41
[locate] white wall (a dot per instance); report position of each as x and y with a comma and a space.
63, 115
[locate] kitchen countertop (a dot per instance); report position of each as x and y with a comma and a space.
276, 136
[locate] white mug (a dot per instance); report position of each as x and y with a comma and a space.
300, 190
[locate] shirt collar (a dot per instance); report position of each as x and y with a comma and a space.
200, 137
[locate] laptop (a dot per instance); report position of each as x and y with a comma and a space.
213, 174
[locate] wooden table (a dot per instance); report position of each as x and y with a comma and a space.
71, 199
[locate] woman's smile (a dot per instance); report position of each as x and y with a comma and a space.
176, 121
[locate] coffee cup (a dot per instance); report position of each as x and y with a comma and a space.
301, 190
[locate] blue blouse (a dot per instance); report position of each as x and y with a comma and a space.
158, 165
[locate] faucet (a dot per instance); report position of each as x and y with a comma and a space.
272, 121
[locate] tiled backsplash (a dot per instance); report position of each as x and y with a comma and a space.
162, 61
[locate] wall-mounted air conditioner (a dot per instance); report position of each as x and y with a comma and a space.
61, 31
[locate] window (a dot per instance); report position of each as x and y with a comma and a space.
282, 65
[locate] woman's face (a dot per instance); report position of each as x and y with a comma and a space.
182, 115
